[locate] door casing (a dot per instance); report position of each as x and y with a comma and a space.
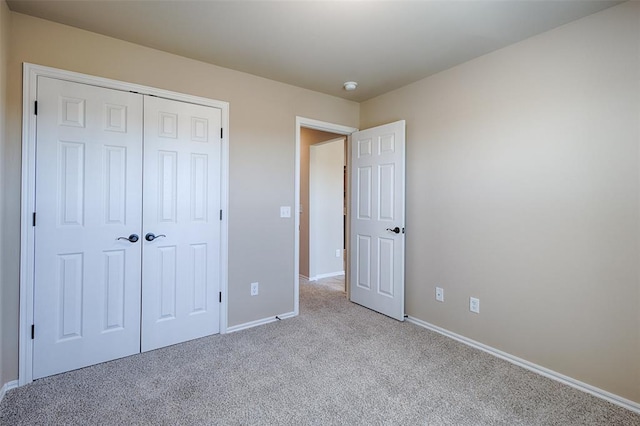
27, 232
325, 127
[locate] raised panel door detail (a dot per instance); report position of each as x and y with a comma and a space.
199, 271
168, 125
114, 282
182, 197
71, 183
199, 179
115, 189
363, 256
386, 195
71, 112
88, 192
70, 286
384, 189
168, 282
199, 129
386, 144
385, 266
115, 118
168, 186
364, 193
364, 148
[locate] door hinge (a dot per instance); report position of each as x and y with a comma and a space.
220, 214
220, 297
35, 108
34, 218
221, 133
33, 331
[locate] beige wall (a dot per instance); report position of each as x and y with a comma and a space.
308, 137
262, 149
522, 185
523, 190
5, 21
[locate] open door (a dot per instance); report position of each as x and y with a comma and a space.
377, 219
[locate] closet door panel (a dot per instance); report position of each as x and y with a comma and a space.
88, 194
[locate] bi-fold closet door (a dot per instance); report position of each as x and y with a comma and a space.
127, 236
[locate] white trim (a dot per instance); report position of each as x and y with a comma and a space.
262, 321
29, 92
325, 127
224, 231
584, 387
7, 387
329, 275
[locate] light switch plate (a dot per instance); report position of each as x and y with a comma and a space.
285, 211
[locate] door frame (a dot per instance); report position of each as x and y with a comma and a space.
324, 126
27, 232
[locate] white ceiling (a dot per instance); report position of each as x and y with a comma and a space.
319, 45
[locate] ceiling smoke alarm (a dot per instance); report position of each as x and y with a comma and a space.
350, 85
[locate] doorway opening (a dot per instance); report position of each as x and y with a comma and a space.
324, 137
322, 204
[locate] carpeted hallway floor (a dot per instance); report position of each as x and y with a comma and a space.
335, 364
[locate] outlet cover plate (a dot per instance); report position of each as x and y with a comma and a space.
255, 287
439, 294
474, 305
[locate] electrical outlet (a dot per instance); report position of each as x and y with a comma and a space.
474, 305
338, 253
439, 294
254, 288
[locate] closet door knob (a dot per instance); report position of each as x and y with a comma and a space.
150, 236
133, 238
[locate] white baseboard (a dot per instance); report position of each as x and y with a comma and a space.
262, 321
584, 387
329, 275
7, 387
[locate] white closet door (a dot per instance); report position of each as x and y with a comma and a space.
181, 266
88, 193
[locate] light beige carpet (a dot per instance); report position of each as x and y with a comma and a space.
335, 364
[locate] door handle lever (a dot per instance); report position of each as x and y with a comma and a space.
150, 236
133, 238
396, 230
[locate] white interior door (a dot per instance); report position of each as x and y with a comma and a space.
88, 194
377, 218
181, 266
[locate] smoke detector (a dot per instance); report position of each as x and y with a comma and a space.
350, 85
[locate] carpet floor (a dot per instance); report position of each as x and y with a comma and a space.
335, 364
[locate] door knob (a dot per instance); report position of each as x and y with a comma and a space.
396, 230
150, 236
131, 238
